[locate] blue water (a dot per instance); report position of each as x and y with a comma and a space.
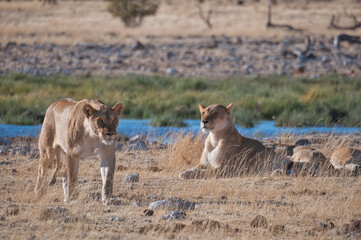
131, 127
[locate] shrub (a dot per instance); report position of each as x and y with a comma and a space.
132, 12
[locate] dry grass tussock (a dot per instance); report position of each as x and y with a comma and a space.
185, 150
302, 207
88, 21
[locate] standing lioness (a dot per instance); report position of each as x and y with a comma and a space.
79, 129
226, 152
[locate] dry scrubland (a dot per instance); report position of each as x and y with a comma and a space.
294, 207
89, 21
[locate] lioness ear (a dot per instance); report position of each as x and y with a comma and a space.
89, 110
229, 108
201, 107
118, 108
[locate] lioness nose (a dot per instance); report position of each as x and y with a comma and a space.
205, 121
110, 133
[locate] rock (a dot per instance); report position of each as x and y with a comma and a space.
208, 58
170, 55
137, 46
134, 177
172, 203
172, 71
302, 142
19, 150
154, 168
136, 204
138, 143
148, 212
4, 150
174, 215
137, 138
259, 222
10, 46
119, 219
355, 226
276, 229
248, 67
138, 146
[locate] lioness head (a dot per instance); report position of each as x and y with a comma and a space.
104, 121
215, 117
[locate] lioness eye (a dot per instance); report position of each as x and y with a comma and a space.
100, 122
114, 122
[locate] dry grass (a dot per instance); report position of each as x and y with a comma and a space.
89, 21
294, 207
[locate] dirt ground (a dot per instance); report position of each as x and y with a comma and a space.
293, 207
81, 37
89, 21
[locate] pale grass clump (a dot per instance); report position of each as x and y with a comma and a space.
185, 150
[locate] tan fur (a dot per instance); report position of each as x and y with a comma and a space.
226, 152
346, 157
307, 154
307, 160
79, 130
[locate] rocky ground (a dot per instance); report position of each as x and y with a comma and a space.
209, 57
151, 202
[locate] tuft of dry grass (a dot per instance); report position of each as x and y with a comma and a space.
185, 150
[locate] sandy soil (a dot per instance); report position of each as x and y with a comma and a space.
89, 21
294, 207
76, 38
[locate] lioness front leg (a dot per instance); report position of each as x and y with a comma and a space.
107, 170
71, 176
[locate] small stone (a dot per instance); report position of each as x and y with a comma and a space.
172, 71
172, 203
137, 46
302, 142
355, 226
170, 55
276, 229
259, 222
136, 204
148, 212
174, 215
207, 58
134, 177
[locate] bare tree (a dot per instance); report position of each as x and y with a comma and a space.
283, 26
206, 18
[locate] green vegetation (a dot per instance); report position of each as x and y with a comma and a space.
132, 12
328, 100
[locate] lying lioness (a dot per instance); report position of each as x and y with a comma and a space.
79, 129
346, 158
226, 152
